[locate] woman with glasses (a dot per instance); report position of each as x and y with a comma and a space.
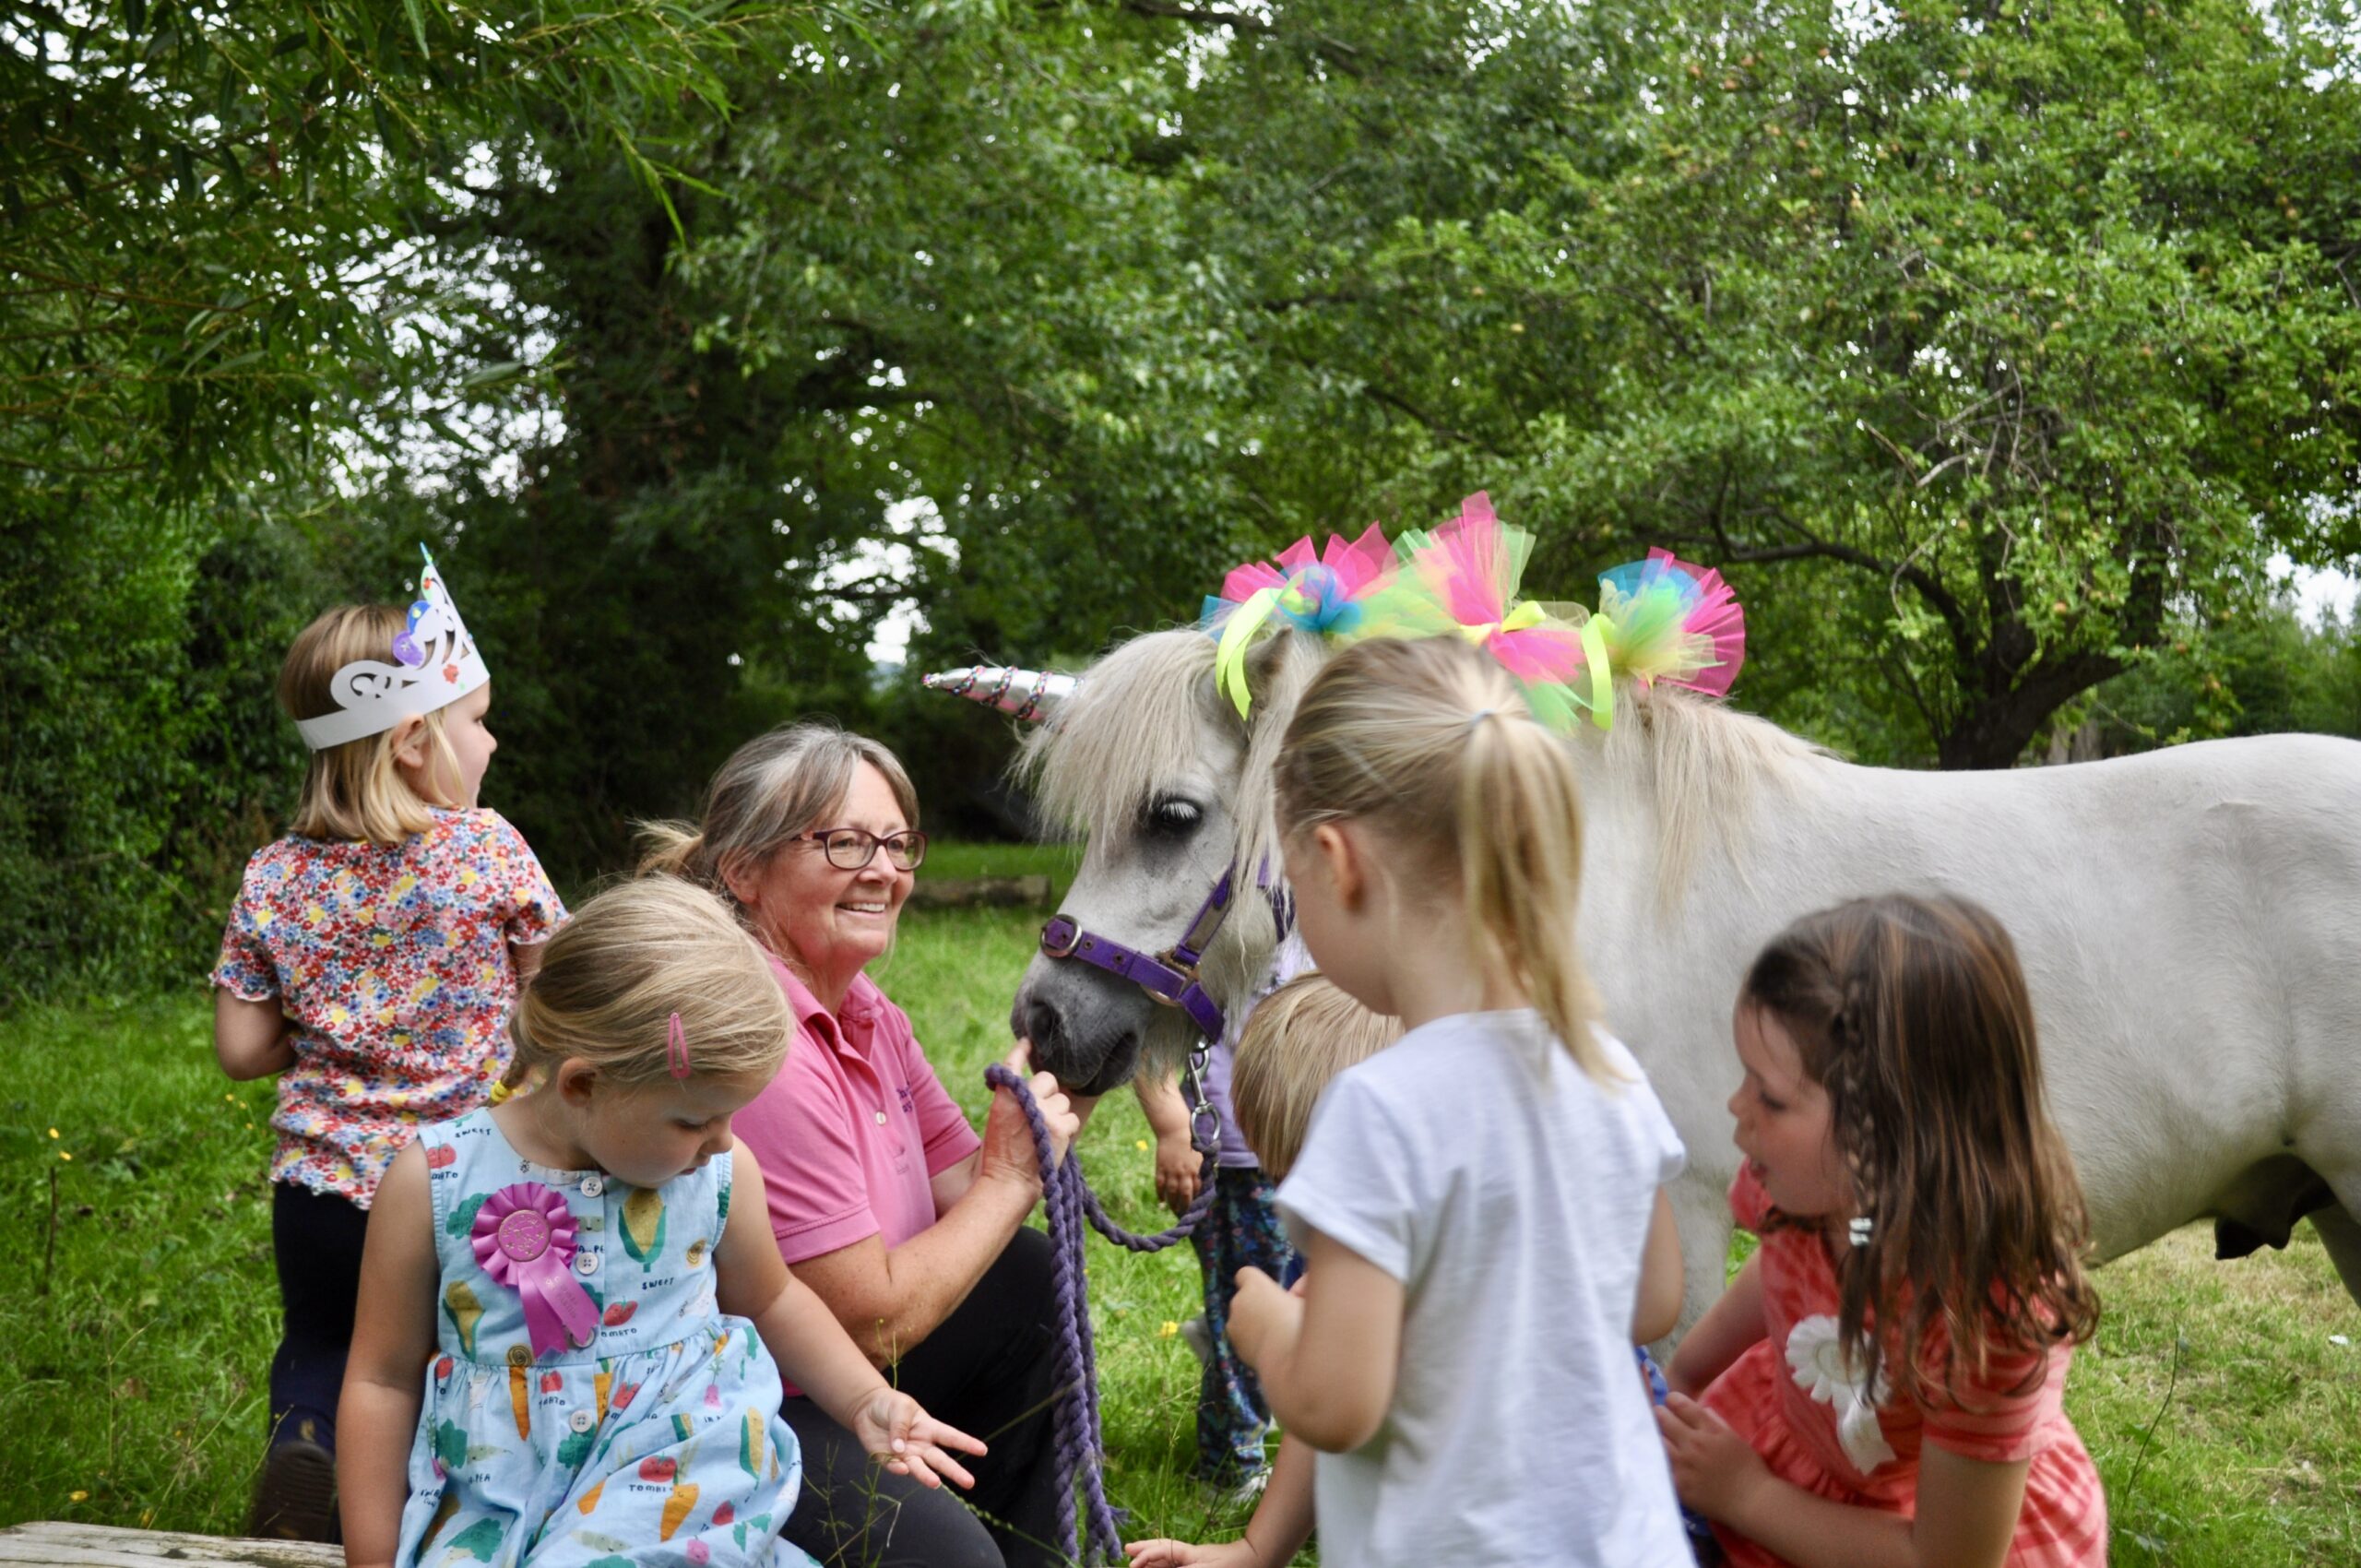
884, 1200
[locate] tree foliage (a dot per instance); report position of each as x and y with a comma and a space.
225, 251
1995, 348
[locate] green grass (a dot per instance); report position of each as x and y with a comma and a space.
140, 1358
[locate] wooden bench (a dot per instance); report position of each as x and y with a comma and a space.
55, 1544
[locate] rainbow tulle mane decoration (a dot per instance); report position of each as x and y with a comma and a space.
1659, 619
1324, 594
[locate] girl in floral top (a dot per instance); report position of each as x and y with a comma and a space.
1881, 1383
370, 962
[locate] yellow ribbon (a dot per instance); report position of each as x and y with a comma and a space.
1237, 636
1525, 617
1602, 678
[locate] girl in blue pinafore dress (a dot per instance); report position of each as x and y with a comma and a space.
599, 1385
663, 1433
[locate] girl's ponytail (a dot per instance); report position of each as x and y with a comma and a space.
1520, 863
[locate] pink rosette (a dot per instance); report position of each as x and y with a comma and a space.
524, 1239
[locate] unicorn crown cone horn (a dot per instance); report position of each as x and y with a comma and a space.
1029, 695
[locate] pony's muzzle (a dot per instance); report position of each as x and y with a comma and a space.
1085, 1027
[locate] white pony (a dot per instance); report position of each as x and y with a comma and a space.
2189, 920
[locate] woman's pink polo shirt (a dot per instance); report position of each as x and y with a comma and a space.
854, 1126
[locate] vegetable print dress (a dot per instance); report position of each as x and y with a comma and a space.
589, 1403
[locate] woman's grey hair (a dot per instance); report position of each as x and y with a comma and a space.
774, 787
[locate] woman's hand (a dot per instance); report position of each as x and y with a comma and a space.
895, 1428
1713, 1467
1177, 1168
1008, 1138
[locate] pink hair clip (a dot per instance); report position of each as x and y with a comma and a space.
676, 1048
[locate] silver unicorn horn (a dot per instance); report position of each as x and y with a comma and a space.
1028, 695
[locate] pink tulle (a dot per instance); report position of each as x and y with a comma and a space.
1365, 561
1471, 567
1717, 615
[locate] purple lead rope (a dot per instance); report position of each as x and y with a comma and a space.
1071, 1204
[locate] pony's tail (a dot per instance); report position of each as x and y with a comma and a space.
1519, 858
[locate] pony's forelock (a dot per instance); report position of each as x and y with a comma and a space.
1130, 727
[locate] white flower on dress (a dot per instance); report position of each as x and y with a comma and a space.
1824, 1371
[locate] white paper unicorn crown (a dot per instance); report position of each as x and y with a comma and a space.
435, 665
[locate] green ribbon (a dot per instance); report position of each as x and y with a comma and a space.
1237, 636
1602, 677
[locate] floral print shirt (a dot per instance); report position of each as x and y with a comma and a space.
392, 963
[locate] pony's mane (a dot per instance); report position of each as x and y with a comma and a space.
1709, 761
1134, 722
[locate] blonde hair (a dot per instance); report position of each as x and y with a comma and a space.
611, 981
1296, 1040
1431, 740
773, 788
355, 791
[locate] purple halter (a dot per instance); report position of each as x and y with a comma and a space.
1171, 976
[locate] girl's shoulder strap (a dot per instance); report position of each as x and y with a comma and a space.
455, 1149
725, 1177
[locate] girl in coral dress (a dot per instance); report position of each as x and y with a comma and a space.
1881, 1383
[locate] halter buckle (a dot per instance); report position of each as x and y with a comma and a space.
1060, 936
1170, 959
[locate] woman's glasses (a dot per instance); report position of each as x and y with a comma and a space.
849, 849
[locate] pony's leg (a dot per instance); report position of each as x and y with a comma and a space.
1701, 1207
2341, 1234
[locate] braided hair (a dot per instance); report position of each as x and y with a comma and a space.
1913, 1014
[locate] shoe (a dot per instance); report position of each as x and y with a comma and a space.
1200, 1338
295, 1499
1240, 1492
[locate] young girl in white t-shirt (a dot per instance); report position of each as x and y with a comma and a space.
1477, 1201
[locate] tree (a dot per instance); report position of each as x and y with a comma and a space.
219, 236
1978, 342
2017, 327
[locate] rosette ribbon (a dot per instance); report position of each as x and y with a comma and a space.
524, 1239
1323, 594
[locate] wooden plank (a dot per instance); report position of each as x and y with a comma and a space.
970, 892
59, 1544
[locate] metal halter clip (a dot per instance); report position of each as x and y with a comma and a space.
1204, 1117
1170, 959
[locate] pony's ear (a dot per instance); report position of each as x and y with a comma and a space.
1277, 667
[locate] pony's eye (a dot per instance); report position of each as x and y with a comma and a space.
1174, 818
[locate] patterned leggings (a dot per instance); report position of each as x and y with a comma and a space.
1239, 1231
